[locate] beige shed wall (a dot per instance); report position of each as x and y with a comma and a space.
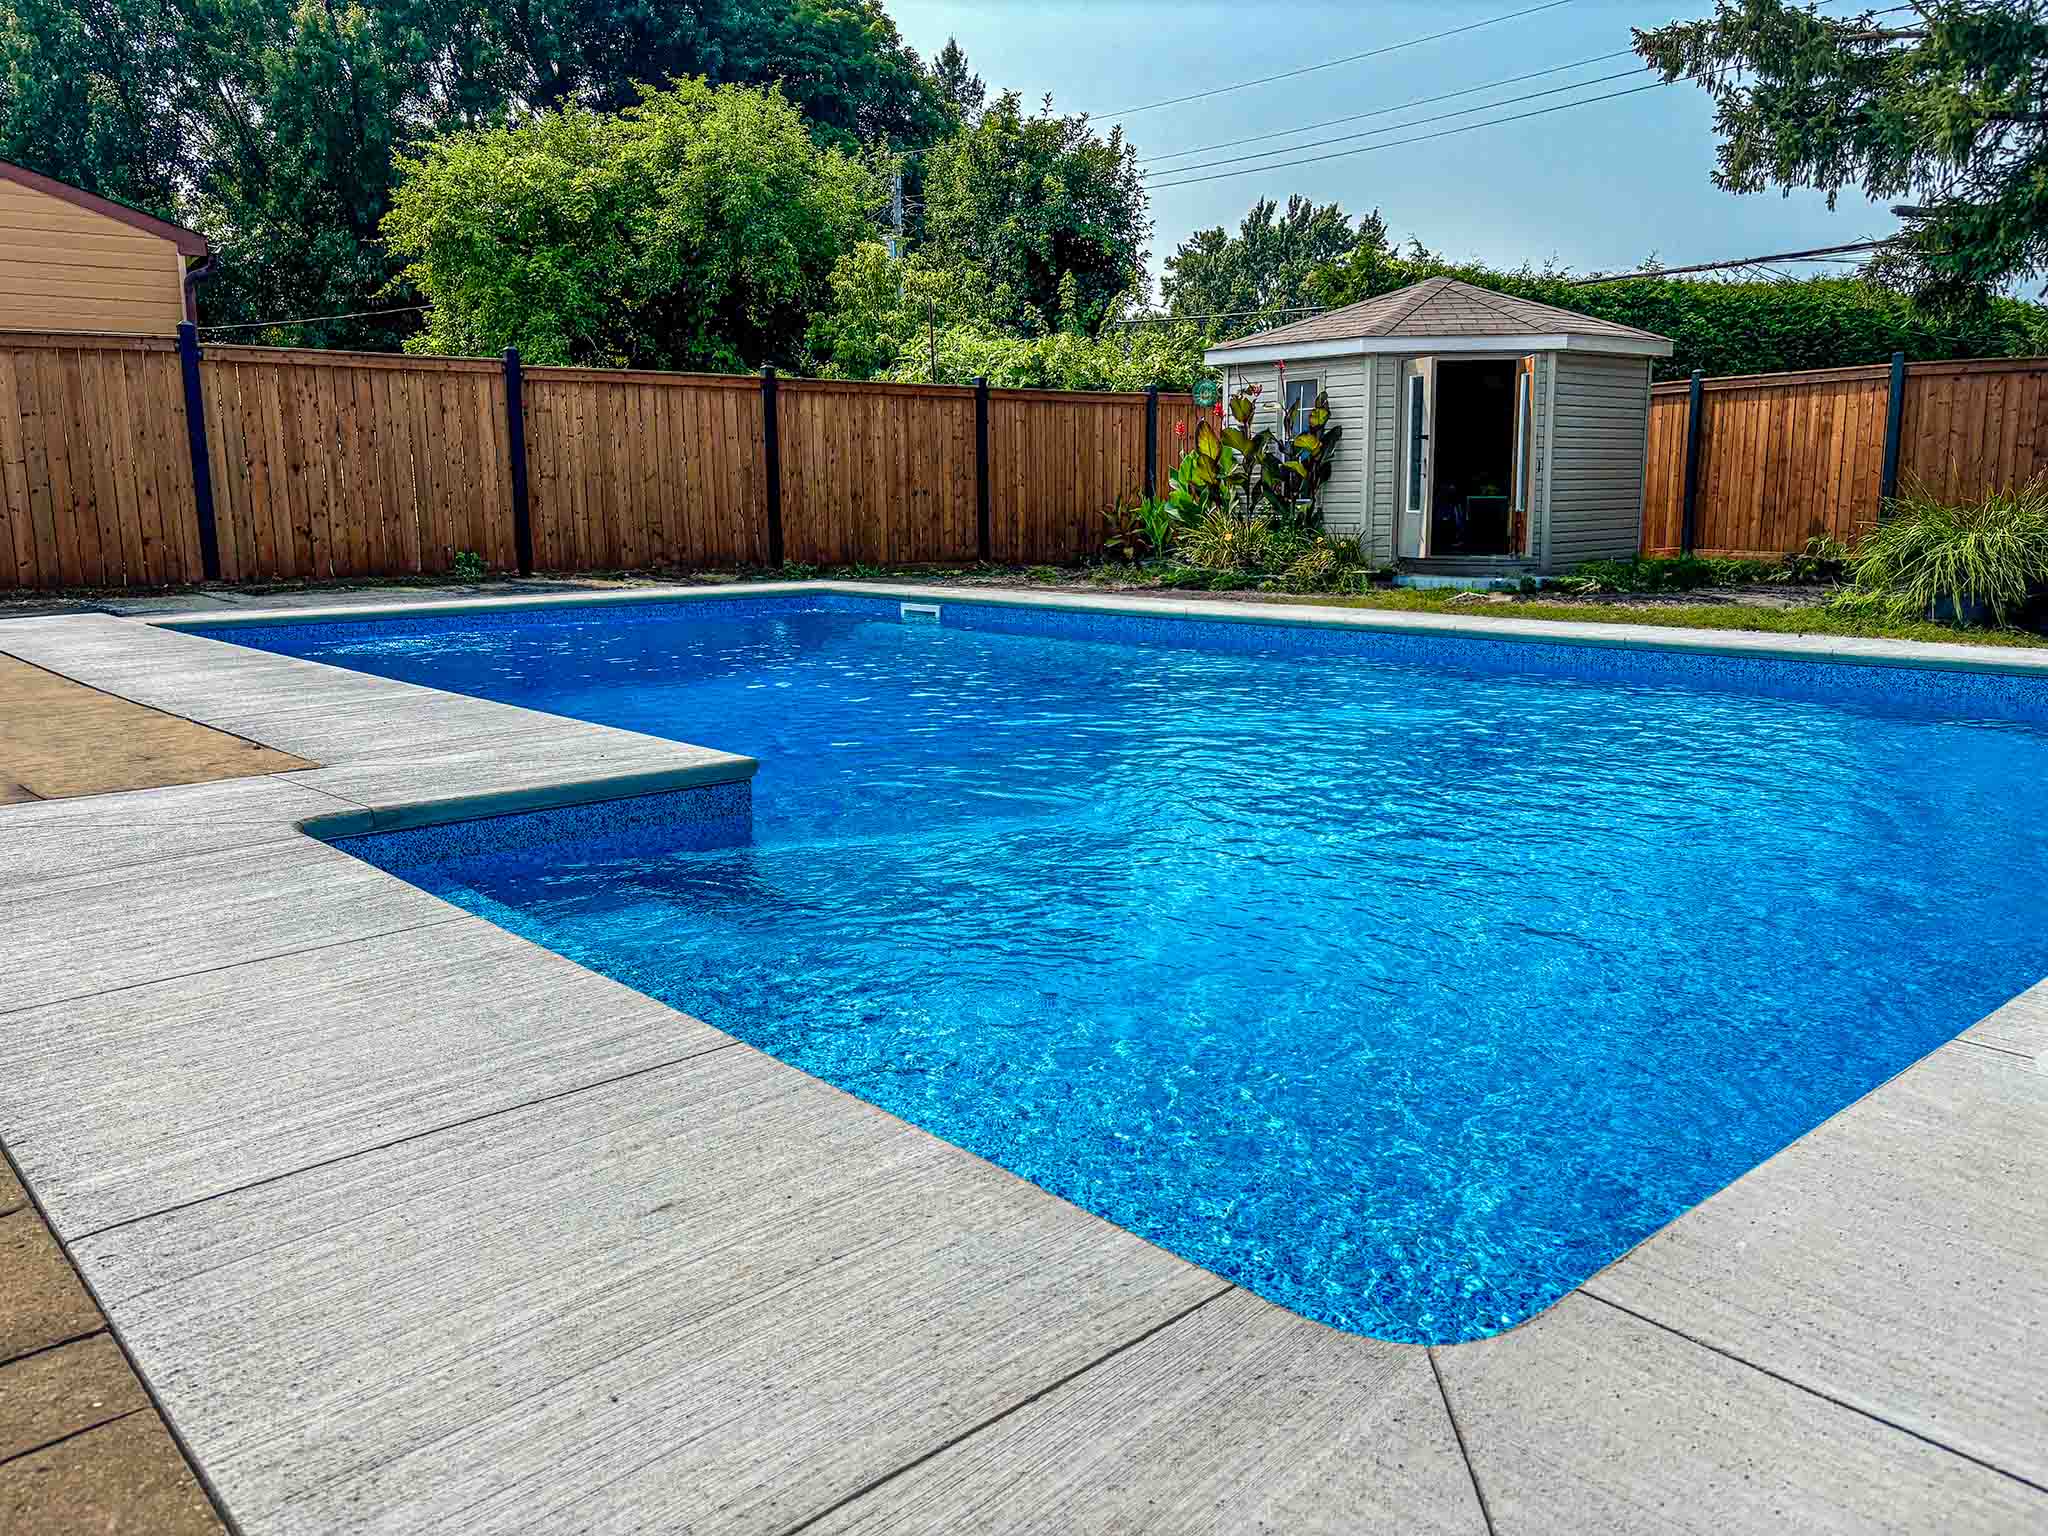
67, 268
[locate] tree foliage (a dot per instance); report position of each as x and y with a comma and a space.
1121, 358
1030, 200
1946, 106
697, 229
1266, 268
275, 125
1725, 327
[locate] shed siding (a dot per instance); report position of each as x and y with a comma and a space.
1383, 511
66, 268
1345, 379
1599, 428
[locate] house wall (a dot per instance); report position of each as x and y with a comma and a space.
1347, 380
67, 268
1598, 433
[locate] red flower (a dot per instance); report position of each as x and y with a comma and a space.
1180, 429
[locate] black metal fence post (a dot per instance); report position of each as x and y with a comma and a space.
515, 438
771, 444
982, 540
195, 441
1693, 400
1152, 442
1894, 417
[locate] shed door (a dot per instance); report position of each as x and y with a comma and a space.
1525, 452
1418, 388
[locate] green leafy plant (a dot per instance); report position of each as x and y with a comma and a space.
1824, 559
796, 570
1308, 454
467, 565
1683, 573
1195, 487
1123, 533
1222, 542
1162, 523
1930, 558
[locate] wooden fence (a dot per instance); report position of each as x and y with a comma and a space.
1784, 457
336, 464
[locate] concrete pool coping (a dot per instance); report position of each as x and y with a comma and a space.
490, 1240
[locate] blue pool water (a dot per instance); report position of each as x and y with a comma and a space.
1404, 981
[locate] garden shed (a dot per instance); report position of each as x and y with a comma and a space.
1483, 434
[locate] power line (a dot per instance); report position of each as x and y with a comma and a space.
1349, 58
1218, 314
1442, 133
357, 314
1424, 101
1367, 133
1817, 253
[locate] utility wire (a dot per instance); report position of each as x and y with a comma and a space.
1817, 253
1424, 101
356, 314
1349, 58
1442, 133
1368, 133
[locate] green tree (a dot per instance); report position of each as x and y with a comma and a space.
1943, 107
698, 229
274, 125
1029, 200
1134, 357
1263, 269
961, 88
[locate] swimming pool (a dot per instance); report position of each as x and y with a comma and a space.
1405, 981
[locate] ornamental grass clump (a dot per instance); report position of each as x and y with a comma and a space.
1930, 558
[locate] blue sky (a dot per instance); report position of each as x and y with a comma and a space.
1598, 187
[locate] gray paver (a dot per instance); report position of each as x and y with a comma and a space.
1588, 1419
53, 838
136, 1100
2020, 1027
83, 934
1240, 1417
1895, 1259
721, 1297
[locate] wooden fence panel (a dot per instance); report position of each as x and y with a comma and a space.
632, 469
1973, 427
876, 474
331, 464
1783, 458
95, 480
1057, 463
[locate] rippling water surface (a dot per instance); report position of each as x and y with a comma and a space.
1406, 996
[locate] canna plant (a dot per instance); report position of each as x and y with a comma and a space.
1309, 457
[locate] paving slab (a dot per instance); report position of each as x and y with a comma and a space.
50, 839
1589, 1419
1894, 1259
82, 934
61, 738
723, 1296
2020, 1027
61, 1391
136, 1100
1239, 1417
124, 1478
45, 1304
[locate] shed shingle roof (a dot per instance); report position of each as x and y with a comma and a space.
1440, 306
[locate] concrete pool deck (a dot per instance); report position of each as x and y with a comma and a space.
410, 1224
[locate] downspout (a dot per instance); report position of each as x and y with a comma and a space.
194, 276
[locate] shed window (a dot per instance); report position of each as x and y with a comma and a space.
1301, 398
1416, 386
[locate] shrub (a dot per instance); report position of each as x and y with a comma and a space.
1682, 573
1824, 559
1220, 542
1990, 553
467, 565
